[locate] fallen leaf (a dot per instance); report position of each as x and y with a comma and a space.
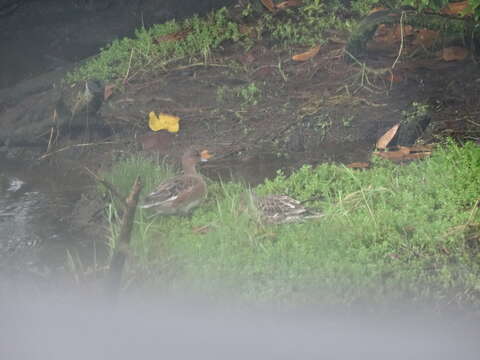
289, 4
269, 5
398, 29
376, 9
176, 36
456, 8
454, 53
307, 54
401, 155
425, 37
421, 148
385, 139
247, 30
108, 91
163, 122
387, 38
403, 149
358, 165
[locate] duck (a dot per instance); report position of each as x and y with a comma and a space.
179, 195
281, 209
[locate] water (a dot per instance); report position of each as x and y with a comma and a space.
36, 228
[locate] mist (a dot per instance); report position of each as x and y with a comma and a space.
148, 327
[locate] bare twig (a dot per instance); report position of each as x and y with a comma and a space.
114, 276
128, 69
74, 146
401, 42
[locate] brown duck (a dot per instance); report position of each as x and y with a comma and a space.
180, 194
281, 209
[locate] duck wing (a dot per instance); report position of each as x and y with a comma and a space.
172, 192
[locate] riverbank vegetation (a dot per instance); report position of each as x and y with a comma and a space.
390, 233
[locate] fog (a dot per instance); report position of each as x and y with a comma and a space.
151, 327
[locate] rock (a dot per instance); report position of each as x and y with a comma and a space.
30, 110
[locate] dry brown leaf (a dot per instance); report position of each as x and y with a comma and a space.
376, 9
176, 36
415, 156
108, 91
401, 155
307, 55
359, 165
425, 37
398, 29
247, 30
455, 8
387, 38
385, 139
403, 149
289, 4
269, 5
421, 148
454, 53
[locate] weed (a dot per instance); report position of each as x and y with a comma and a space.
248, 94
305, 25
347, 120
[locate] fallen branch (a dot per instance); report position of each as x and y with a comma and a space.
114, 275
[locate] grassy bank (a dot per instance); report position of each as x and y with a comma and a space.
194, 39
390, 233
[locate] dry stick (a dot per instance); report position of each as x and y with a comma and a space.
73, 146
128, 69
401, 41
114, 275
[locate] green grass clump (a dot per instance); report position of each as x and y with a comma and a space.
390, 233
130, 56
306, 24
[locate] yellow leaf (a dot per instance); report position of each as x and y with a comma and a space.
163, 122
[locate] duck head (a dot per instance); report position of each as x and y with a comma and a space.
192, 157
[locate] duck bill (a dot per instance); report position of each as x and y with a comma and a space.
205, 156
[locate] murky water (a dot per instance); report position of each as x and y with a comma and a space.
35, 225
255, 170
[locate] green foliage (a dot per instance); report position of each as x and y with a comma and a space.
248, 94
390, 233
305, 25
131, 56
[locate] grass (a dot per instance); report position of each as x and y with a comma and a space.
129, 57
391, 233
195, 38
